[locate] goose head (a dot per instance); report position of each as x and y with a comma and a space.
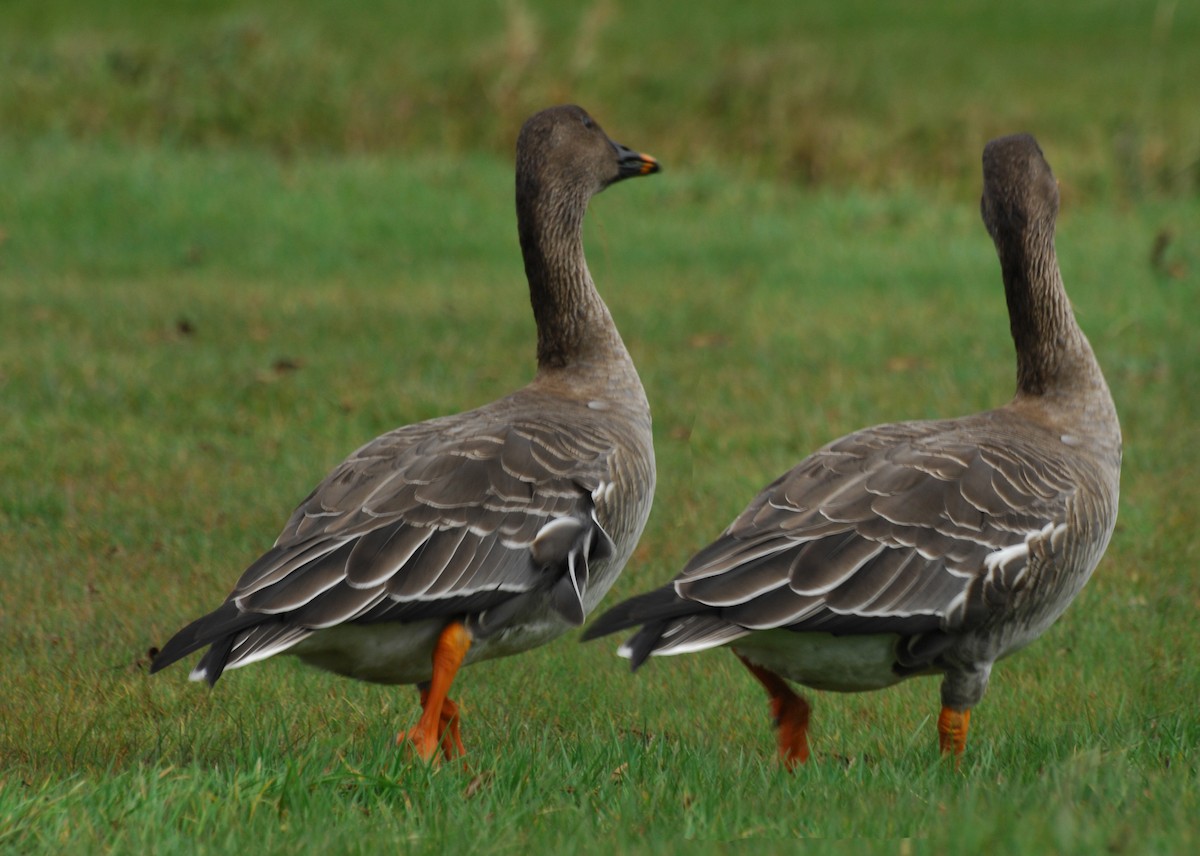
1020, 192
563, 152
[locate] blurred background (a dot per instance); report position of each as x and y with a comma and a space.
848, 93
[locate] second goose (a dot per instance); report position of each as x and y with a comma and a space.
919, 548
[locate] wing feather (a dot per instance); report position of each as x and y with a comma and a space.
379, 553
886, 530
299, 587
436, 519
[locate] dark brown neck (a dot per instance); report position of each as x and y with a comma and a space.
573, 324
1051, 349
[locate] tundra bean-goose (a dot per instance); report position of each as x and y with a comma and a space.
477, 535
917, 548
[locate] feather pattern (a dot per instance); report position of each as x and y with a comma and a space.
440, 528
833, 544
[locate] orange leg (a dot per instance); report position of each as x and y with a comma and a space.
439, 718
791, 714
952, 731
451, 737
452, 745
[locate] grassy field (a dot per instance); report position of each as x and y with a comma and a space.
853, 93
199, 316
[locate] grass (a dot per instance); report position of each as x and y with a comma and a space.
169, 396
198, 319
816, 94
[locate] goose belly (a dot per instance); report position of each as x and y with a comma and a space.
824, 661
395, 653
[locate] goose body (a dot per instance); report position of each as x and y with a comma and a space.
480, 534
916, 548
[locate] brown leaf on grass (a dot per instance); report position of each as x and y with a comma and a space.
645, 737
281, 367
642, 552
904, 363
708, 340
1159, 262
194, 254
476, 784
682, 433
618, 775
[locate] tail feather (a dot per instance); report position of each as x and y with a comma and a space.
219, 628
248, 646
212, 664
653, 606
656, 611
642, 644
669, 623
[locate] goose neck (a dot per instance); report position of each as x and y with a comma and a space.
573, 324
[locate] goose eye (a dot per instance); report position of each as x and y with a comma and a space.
588, 123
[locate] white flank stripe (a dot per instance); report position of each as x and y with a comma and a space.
689, 647
554, 525
270, 651
1003, 556
458, 592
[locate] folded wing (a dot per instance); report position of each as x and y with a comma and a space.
908, 528
461, 516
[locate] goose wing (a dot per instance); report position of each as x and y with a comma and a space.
906, 528
463, 515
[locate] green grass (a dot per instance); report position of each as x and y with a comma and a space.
190, 340
200, 316
854, 92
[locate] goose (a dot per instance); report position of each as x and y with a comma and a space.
926, 547
477, 535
